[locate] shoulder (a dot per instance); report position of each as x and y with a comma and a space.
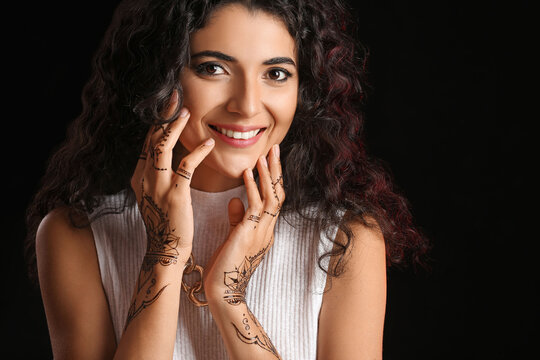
366, 241
64, 243
59, 229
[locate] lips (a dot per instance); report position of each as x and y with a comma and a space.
238, 136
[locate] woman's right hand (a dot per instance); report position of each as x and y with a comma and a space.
163, 193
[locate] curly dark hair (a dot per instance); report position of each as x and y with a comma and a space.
137, 68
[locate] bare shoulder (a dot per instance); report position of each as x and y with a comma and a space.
70, 281
352, 313
367, 242
57, 230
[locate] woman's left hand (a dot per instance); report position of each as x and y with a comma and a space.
227, 274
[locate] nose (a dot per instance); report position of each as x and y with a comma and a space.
245, 98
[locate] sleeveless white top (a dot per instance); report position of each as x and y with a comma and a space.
284, 293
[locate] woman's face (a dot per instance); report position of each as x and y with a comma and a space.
241, 90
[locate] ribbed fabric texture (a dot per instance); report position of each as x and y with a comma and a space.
284, 293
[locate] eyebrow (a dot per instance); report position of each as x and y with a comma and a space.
225, 57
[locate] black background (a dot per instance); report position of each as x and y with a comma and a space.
447, 113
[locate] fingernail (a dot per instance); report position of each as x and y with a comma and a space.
209, 142
249, 173
263, 161
184, 112
276, 151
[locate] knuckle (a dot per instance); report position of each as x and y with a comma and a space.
135, 184
186, 163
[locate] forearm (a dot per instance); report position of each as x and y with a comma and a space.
243, 335
150, 329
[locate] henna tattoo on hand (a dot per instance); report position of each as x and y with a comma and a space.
238, 279
161, 242
161, 249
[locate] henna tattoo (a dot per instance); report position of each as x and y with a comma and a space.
250, 325
161, 249
254, 218
161, 242
157, 149
149, 298
238, 279
183, 173
279, 181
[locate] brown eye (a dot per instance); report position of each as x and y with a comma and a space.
211, 68
278, 74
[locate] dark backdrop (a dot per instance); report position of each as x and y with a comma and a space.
439, 73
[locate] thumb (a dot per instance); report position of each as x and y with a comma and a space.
236, 212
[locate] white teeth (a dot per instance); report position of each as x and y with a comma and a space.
237, 134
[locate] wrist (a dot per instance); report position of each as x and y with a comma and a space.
163, 261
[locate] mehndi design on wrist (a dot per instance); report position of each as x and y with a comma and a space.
161, 249
251, 332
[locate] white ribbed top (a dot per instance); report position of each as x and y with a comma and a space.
284, 293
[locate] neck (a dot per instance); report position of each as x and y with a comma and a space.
206, 179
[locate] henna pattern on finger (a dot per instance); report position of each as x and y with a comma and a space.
183, 173
157, 149
254, 218
279, 181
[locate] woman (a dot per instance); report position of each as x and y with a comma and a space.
234, 104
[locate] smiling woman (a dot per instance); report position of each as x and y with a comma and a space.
244, 63
214, 199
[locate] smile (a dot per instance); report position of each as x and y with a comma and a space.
238, 136
245, 135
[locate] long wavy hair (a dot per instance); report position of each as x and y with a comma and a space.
137, 68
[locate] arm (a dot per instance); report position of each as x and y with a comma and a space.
76, 308
352, 313
78, 317
77, 313
228, 273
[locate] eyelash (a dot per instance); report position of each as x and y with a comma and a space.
201, 69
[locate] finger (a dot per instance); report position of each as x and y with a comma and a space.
190, 162
160, 129
254, 211
162, 150
173, 104
253, 196
236, 212
269, 202
276, 174
139, 168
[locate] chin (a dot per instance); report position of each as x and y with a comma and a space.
232, 168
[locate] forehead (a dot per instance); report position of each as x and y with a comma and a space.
245, 35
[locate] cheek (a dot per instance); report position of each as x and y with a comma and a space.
200, 98
283, 107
